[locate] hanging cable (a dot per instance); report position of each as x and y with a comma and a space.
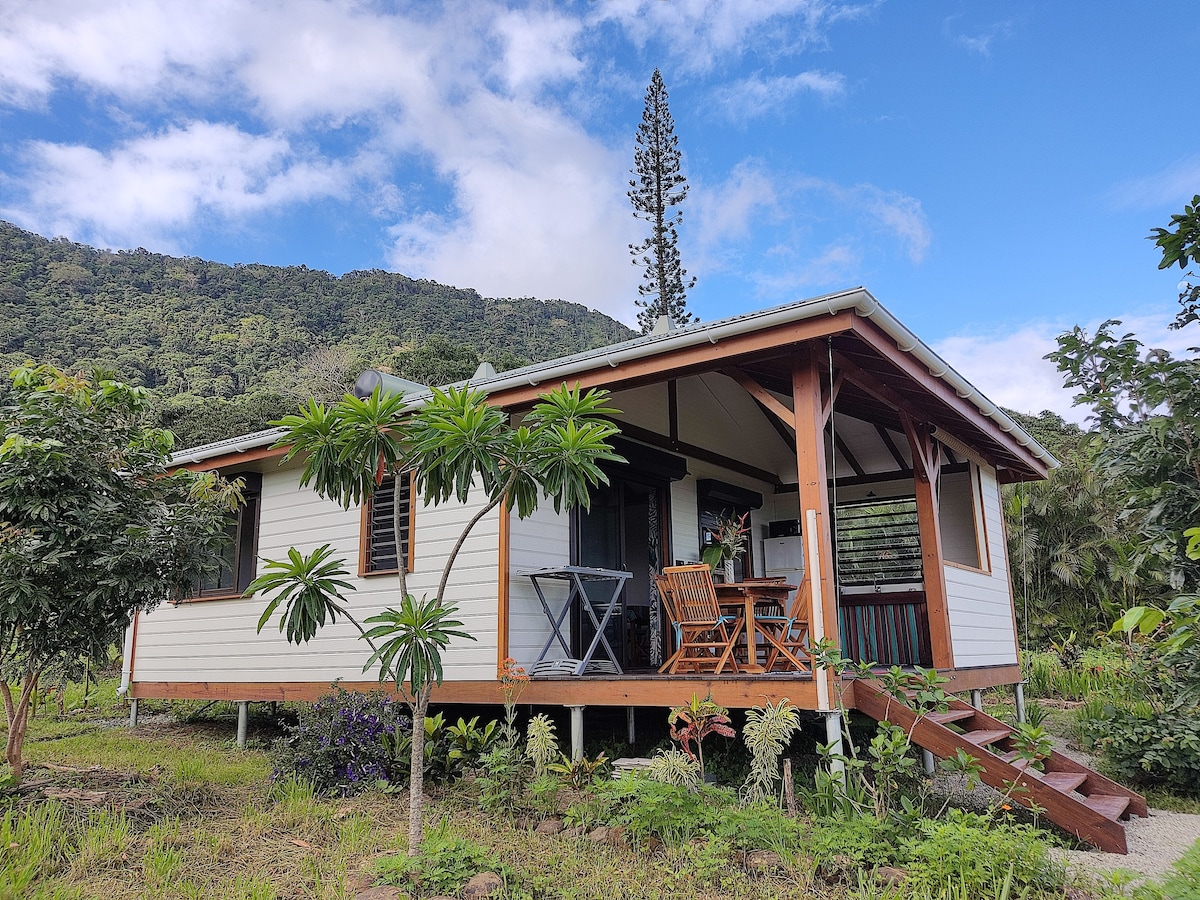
837, 575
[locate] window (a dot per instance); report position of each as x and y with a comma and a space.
878, 543
377, 550
960, 516
240, 550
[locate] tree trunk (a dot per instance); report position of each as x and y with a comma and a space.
416, 772
18, 721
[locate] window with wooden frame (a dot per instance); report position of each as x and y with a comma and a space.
960, 514
239, 553
377, 545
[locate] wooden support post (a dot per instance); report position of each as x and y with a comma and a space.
631, 725
926, 464
789, 788
977, 699
813, 487
243, 722
133, 712
576, 732
1019, 700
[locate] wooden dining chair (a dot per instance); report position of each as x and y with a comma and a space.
706, 636
786, 634
668, 602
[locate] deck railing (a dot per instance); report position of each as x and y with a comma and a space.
891, 629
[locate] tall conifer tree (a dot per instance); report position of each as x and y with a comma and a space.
657, 186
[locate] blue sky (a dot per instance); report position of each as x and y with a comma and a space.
988, 170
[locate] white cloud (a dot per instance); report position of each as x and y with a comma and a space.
981, 41
1173, 185
728, 211
880, 210
518, 198
159, 183
699, 32
752, 97
539, 210
901, 215
1010, 369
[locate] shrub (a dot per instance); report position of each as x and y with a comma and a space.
1150, 747
674, 767
445, 863
344, 742
864, 839
671, 814
977, 852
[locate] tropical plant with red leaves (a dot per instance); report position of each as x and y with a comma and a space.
696, 720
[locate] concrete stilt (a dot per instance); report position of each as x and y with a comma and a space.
977, 699
1019, 700
927, 762
630, 725
576, 732
833, 737
243, 722
133, 713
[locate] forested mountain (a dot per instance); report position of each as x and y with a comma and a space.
227, 348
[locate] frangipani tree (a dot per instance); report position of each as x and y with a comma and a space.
456, 444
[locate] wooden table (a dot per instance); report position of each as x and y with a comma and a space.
746, 595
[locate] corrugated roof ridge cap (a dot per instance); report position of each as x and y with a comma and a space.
238, 444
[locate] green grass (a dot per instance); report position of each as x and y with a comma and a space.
183, 815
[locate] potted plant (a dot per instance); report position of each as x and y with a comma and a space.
728, 543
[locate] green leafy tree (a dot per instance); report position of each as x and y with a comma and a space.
1180, 245
1075, 564
659, 184
1146, 407
455, 443
93, 527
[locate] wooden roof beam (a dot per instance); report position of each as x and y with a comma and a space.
894, 450
765, 398
883, 344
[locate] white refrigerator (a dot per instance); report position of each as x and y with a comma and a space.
784, 558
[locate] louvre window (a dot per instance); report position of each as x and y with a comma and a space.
379, 543
878, 543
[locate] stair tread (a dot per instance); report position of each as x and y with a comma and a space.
1108, 805
1064, 781
952, 715
1013, 758
983, 737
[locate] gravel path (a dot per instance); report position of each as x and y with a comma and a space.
1154, 844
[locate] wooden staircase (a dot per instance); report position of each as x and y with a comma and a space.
1070, 795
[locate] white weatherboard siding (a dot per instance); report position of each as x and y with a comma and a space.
215, 640
980, 602
541, 541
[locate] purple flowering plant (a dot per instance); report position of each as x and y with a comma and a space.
344, 742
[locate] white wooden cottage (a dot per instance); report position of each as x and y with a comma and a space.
870, 470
